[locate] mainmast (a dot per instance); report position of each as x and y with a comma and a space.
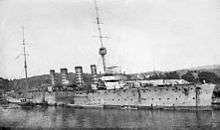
25, 58
102, 50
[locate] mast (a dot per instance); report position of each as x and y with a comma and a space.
25, 58
102, 49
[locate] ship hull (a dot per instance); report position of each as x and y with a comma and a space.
197, 96
179, 96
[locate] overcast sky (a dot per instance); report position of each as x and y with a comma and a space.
144, 34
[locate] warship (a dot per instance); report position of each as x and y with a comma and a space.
113, 89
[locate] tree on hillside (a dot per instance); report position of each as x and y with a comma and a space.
156, 76
172, 75
189, 76
4, 84
208, 77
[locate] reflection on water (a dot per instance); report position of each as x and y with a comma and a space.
59, 117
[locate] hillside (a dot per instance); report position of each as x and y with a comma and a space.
162, 74
39, 81
208, 68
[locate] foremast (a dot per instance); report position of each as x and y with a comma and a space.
102, 49
25, 59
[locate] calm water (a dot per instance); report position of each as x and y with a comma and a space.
63, 117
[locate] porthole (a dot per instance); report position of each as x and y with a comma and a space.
193, 97
168, 98
152, 98
159, 98
176, 98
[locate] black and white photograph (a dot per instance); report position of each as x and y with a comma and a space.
110, 64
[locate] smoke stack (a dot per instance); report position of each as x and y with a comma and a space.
79, 77
64, 76
94, 73
52, 77
93, 69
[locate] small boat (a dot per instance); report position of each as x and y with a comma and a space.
25, 102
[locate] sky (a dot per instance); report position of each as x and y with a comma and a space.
144, 35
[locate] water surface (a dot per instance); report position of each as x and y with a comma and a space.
66, 117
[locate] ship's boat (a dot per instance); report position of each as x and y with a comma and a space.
12, 99
20, 99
